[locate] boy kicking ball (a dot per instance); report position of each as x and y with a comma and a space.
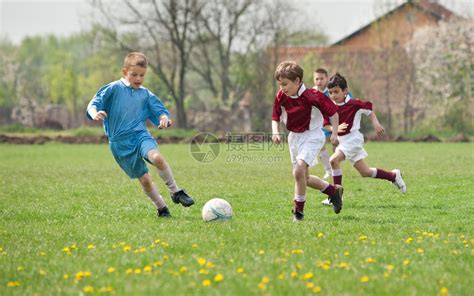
124, 106
351, 140
302, 111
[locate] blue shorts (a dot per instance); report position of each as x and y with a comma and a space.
327, 133
131, 152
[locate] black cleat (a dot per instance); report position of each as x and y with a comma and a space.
297, 216
183, 198
336, 199
164, 213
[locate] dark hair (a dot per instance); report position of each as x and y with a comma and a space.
337, 80
321, 71
289, 70
135, 59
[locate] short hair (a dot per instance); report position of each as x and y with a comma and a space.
321, 71
135, 59
337, 80
289, 70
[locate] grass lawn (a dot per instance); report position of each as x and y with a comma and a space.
71, 222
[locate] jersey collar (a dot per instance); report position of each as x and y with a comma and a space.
347, 99
299, 92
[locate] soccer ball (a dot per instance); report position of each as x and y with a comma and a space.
216, 209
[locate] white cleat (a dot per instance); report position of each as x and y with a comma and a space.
327, 175
327, 202
399, 183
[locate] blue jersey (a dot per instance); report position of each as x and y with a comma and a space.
127, 109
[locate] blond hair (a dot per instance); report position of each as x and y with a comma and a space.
135, 59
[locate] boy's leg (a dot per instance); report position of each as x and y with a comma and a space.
300, 170
152, 192
394, 176
334, 192
336, 160
177, 195
324, 156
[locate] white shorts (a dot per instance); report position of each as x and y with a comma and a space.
306, 146
352, 147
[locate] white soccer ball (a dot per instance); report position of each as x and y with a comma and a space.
216, 209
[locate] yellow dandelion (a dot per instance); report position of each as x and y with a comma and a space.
317, 289
364, 279
406, 262
308, 275
165, 244
206, 283
158, 263
147, 268
165, 257
346, 253
262, 286
296, 252
194, 246
91, 246
309, 285
210, 264
390, 267
370, 260
20, 268
281, 276
343, 265
127, 248
265, 280
13, 284
320, 234
294, 274
65, 276
88, 289
183, 269
240, 270
409, 240
111, 270
42, 254
218, 278
363, 237
420, 251
66, 250
107, 289
42, 272
261, 252
157, 241
444, 291
137, 271
201, 261
203, 271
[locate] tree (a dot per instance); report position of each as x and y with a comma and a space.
444, 68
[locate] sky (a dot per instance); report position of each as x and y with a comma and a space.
336, 18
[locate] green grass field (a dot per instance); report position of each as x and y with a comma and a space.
71, 222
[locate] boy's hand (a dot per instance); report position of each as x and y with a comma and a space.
276, 138
164, 122
101, 115
379, 129
342, 127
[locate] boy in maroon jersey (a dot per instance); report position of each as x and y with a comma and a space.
351, 141
302, 111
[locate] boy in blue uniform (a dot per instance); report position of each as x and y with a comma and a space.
125, 106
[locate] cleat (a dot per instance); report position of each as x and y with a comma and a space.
183, 198
327, 175
297, 216
336, 199
399, 183
327, 202
164, 213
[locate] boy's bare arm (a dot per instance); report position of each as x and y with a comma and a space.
276, 137
379, 130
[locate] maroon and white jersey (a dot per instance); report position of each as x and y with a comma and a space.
350, 112
304, 111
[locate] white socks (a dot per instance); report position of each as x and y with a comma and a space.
325, 160
373, 171
167, 176
156, 198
